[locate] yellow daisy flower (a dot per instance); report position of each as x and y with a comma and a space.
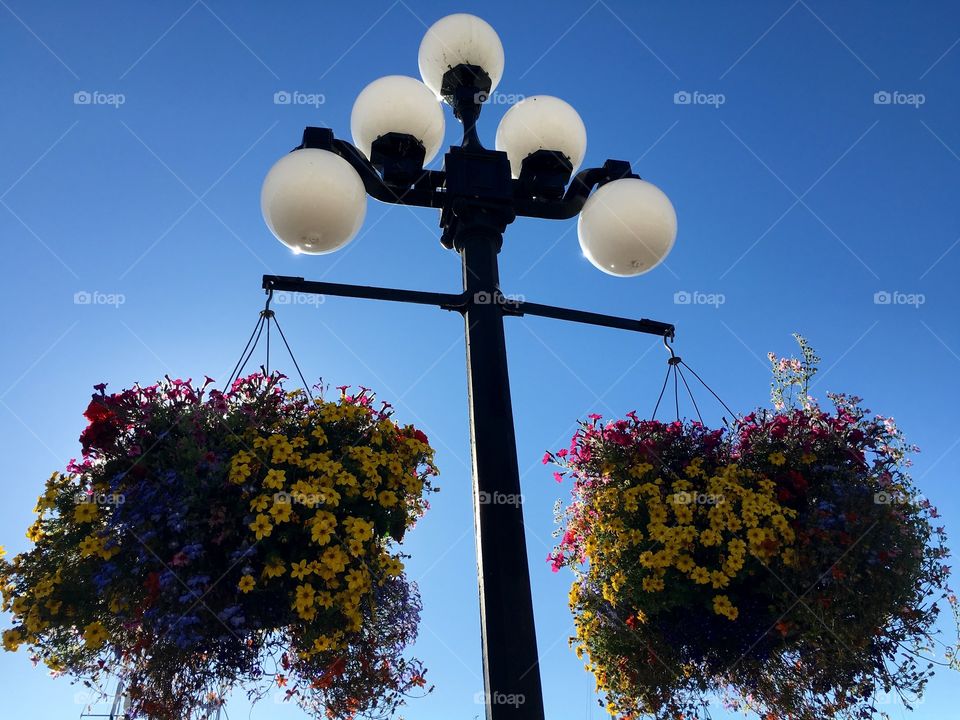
246, 584
299, 570
95, 635
85, 512
261, 526
777, 458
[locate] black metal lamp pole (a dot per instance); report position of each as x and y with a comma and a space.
478, 198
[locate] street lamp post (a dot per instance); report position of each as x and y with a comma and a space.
314, 201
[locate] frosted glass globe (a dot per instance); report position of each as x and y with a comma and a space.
313, 201
459, 39
627, 227
541, 122
400, 104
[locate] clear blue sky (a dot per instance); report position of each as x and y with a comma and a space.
799, 198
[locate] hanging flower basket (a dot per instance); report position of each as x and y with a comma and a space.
208, 540
787, 564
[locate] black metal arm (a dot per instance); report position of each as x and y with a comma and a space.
461, 301
429, 189
425, 192
284, 283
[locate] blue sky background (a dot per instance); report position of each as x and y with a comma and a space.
799, 199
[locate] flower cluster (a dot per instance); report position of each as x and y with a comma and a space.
788, 564
206, 540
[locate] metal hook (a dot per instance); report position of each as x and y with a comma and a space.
674, 358
267, 312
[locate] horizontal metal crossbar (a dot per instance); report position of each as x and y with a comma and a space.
460, 301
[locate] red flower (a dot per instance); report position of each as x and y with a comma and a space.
97, 411
421, 436
101, 433
152, 585
798, 481
780, 426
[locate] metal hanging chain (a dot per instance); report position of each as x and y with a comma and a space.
267, 318
247, 352
292, 357
710, 389
670, 367
689, 392
674, 366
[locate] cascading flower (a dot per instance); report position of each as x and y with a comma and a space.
210, 540
788, 564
